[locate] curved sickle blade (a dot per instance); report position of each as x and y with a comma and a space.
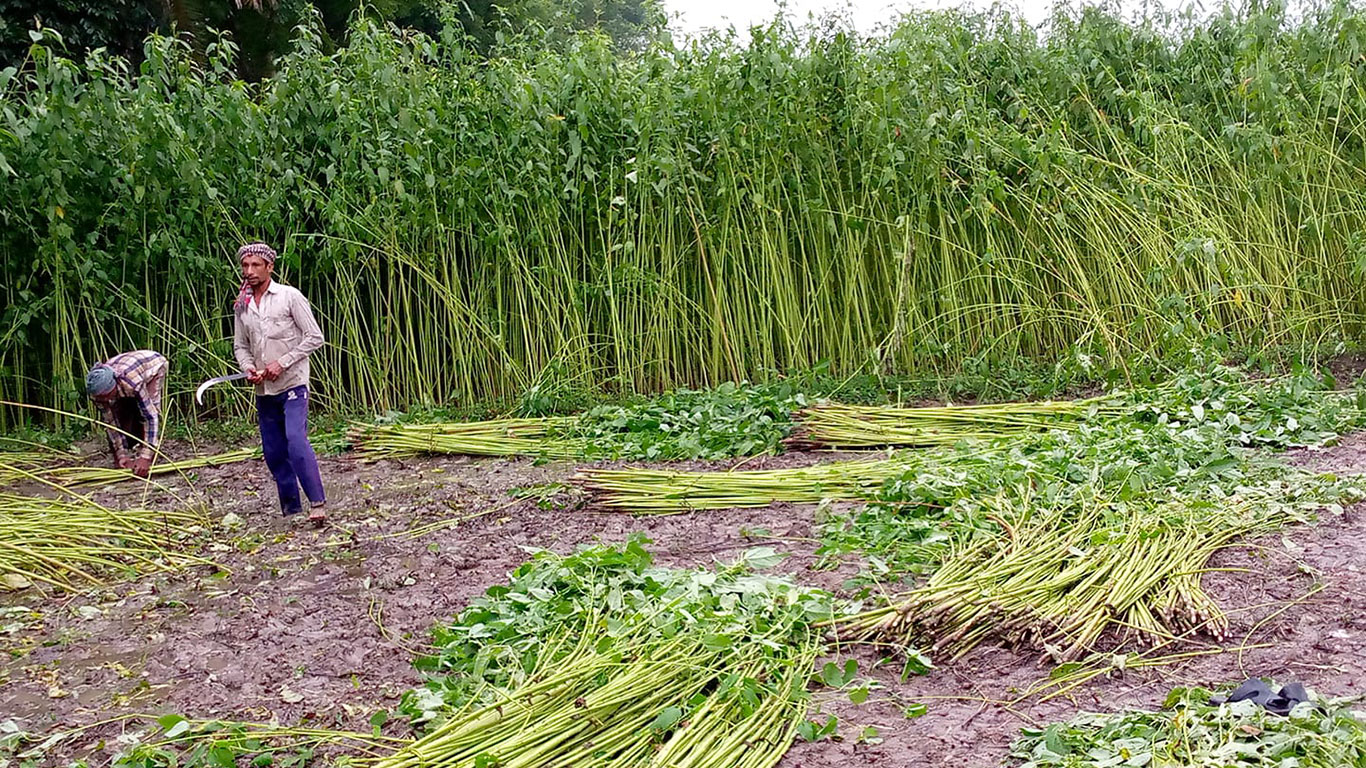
199, 393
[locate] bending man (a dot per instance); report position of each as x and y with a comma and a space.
274, 332
127, 390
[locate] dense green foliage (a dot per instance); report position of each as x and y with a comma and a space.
729, 420
956, 189
118, 25
262, 29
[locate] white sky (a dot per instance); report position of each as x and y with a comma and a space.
691, 16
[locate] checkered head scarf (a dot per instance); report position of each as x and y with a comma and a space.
251, 249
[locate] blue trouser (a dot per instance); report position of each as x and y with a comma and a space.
284, 441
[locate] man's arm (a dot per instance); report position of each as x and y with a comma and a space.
241, 345
149, 402
312, 334
115, 436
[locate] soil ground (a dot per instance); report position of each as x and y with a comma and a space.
320, 626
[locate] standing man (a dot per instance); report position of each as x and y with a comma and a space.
274, 332
127, 390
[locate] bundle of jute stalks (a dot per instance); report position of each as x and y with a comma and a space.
835, 425
601, 660
71, 541
653, 491
499, 437
76, 476
1058, 578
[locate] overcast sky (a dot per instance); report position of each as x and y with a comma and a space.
690, 16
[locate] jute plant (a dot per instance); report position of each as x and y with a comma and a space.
958, 187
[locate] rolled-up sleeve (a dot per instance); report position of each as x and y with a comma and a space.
311, 334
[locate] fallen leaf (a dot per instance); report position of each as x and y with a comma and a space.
289, 696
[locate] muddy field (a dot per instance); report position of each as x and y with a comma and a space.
320, 626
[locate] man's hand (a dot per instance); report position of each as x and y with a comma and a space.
273, 371
254, 376
124, 462
143, 466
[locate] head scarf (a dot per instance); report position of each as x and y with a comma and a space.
100, 380
251, 249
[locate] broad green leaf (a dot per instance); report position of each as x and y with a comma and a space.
763, 558
177, 729
667, 718
1054, 742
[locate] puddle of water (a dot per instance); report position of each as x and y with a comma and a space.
20, 700
126, 658
90, 697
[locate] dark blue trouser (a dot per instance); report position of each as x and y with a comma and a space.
284, 441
